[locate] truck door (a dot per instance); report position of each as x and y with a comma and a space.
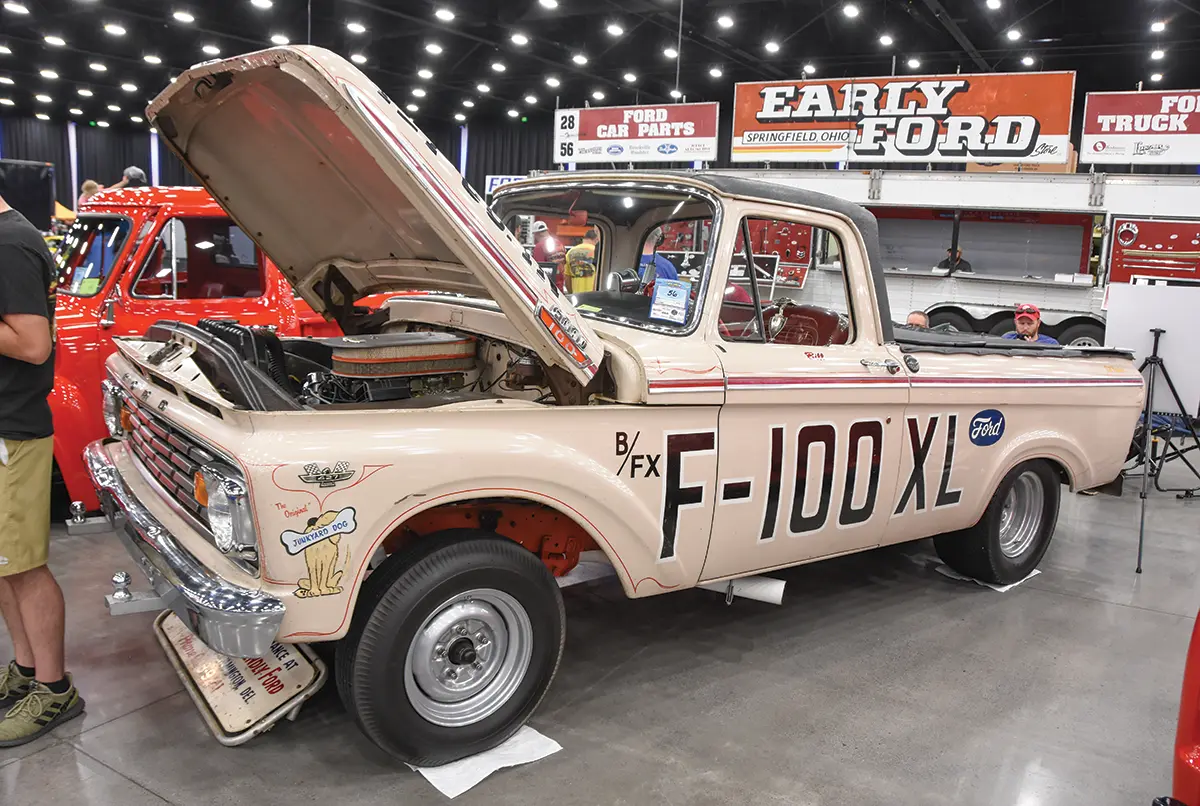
810, 434
198, 267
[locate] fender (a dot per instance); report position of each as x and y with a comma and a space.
1057, 448
74, 428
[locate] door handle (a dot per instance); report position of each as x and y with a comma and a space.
889, 364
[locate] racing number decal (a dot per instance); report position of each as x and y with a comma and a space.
810, 436
863, 429
678, 495
920, 453
776, 480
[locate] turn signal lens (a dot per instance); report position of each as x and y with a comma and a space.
126, 420
201, 488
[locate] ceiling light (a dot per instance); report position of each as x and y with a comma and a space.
411, 107
484, 88
114, 29
1027, 61
183, 16
715, 72
850, 10
1013, 34
50, 74
459, 116
419, 92
676, 94
444, 14
1155, 54
630, 77
670, 53
725, 21
579, 58
512, 113
498, 67
520, 39
84, 92
42, 116
1156, 77
597, 95
261, 3
44, 99
136, 119
425, 72
356, 28
75, 110
99, 67
103, 124
993, 4
114, 108
358, 58
6, 50
16, 8
6, 80
152, 59
551, 81
56, 41
279, 39
809, 69
886, 40
211, 50
548, 3
433, 47
1158, 26
614, 29
7, 102
914, 63
129, 87
627, 201
468, 103
531, 99
772, 47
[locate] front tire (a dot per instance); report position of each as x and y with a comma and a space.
1010, 539
453, 645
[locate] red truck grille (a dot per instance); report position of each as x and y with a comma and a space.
170, 455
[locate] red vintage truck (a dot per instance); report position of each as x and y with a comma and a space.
132, 258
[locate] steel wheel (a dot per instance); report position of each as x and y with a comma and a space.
468, 657
1021, 515
1085, 341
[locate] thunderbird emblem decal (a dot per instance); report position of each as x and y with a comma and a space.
327, 476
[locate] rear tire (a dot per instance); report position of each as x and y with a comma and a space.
453, 645
955, 321
1014, 532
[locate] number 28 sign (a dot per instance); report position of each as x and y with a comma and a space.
664, 133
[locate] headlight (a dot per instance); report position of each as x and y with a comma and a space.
229, 515
111, 401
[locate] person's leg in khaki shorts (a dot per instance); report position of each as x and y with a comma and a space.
30, 598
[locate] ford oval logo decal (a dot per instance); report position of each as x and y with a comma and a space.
615, 149
987, 427
668, 148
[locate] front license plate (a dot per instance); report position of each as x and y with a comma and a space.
240, 698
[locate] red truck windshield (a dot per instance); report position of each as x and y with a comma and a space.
88, 252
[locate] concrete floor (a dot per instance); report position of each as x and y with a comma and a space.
877, 682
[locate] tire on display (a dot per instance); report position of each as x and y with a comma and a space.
955, 320
1009, 540
1001, 328
1084, 335
454, 642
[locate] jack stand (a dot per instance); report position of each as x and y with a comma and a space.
79, 524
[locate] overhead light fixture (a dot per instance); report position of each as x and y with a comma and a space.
356, 28
46, 99
1027, 61
850, 10
772, 46
468, 103
42, 116
114, 108
358, 58
418, 92
1157, 77
425, 73
809, 69
725, 21
715, 72
531, 99
548, 3
670, 53
75, 110
614, 29
114, 29
579, 58
1158, 26
627, 201
433, 47
5, 50
512, 113
152, 59
1157, 54
262, 3
50, 74
103, 124
136, 119
16, 8
56, 41
99, 67
411, 107
6, 80
444, 14
183, 16
279, 39
886, 40
994, 5
85, 92
1013, 34
597, 95
484, 88
211, 50
7, 102
519, 39
630, 77
498, 67
914, 63
129, 87
459, 116
551, 81
676, 94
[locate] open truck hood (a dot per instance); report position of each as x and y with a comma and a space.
349, 197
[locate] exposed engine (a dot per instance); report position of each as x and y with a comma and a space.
390, 366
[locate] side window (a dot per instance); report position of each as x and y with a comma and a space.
797, 292
200, 258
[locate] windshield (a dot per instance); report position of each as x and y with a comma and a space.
88, 252
634, 254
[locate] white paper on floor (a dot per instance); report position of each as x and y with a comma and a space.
946, 572
525, 746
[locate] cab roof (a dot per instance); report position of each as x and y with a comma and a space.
196, 198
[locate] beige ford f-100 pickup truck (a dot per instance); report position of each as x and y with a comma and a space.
410, 491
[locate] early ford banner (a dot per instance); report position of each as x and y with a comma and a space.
651, 133
1141, 128
996, 117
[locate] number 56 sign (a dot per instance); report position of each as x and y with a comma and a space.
664, 133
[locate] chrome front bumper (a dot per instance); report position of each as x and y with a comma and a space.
228, 618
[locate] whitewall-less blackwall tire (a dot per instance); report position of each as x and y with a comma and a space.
454, 643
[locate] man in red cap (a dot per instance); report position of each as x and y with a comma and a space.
1028, 320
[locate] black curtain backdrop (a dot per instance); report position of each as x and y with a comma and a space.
506, 148
104, 154
41, 141
171, 170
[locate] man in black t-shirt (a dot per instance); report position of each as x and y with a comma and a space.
34, 687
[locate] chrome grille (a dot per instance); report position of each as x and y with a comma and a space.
170, 455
